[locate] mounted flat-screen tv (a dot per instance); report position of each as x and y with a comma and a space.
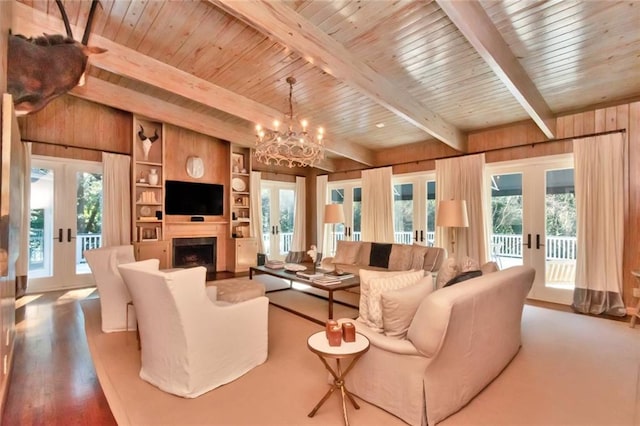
193, 199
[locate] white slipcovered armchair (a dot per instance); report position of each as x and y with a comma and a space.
191, 344
114, 295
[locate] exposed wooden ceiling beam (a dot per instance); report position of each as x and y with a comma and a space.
474, 23
127, 62
283, 24
102, 92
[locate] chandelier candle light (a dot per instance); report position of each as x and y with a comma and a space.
293, 145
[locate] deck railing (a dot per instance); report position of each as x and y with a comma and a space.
37, 247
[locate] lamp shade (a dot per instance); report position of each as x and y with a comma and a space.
452, 214
333, 213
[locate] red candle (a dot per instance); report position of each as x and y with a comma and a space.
349, 332
335, 335
330, 323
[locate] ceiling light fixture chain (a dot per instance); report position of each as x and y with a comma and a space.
293, 146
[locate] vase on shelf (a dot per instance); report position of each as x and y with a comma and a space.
153, 177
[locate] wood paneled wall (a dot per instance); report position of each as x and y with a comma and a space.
181, 144
73, 123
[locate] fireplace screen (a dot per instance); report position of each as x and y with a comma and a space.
189, 252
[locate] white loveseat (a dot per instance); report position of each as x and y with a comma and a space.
460, 339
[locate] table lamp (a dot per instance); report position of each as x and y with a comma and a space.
452, 214
333, 213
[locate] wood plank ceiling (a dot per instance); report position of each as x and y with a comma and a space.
429, 70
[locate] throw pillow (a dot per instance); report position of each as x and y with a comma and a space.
489, 267
365, 278
418, 253
463, 277
399, 306
468, 264
377, 286
448, 271
364, 254
380, 255
400, 257
346, 252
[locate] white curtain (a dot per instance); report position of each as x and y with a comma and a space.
462, 178
599, 174
377, 205
298, 239
256, 210
116, 194
322, 196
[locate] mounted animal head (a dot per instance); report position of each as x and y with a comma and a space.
142, 136
43, 68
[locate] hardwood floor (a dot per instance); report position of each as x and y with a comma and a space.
53, 381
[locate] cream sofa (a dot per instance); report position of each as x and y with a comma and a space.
351, 256
460, 339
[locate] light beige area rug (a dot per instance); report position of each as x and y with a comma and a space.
282, 391
571, 370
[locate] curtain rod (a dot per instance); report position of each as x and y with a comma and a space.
531, 144
76, 147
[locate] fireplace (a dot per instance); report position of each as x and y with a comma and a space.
189, 252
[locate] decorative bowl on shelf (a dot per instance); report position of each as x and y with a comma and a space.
237, 184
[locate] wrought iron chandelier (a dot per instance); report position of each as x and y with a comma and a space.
291, 146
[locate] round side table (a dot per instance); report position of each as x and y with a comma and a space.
636, 314
319, 345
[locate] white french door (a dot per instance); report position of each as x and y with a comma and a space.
66, 219
278, 205
414, 209
534, 222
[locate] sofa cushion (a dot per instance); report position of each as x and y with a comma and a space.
366, 276
377, 286
399, 306
418, 253
380, 255
400, 258
346, 252
364, 254
434, 258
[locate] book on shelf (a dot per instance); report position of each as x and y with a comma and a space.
147, 219
339, 275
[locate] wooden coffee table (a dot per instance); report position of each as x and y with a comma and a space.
292, 277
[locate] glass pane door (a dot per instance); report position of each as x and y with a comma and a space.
278, 205
66, 219
403, 210
534, 223
414, 204
506, 214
